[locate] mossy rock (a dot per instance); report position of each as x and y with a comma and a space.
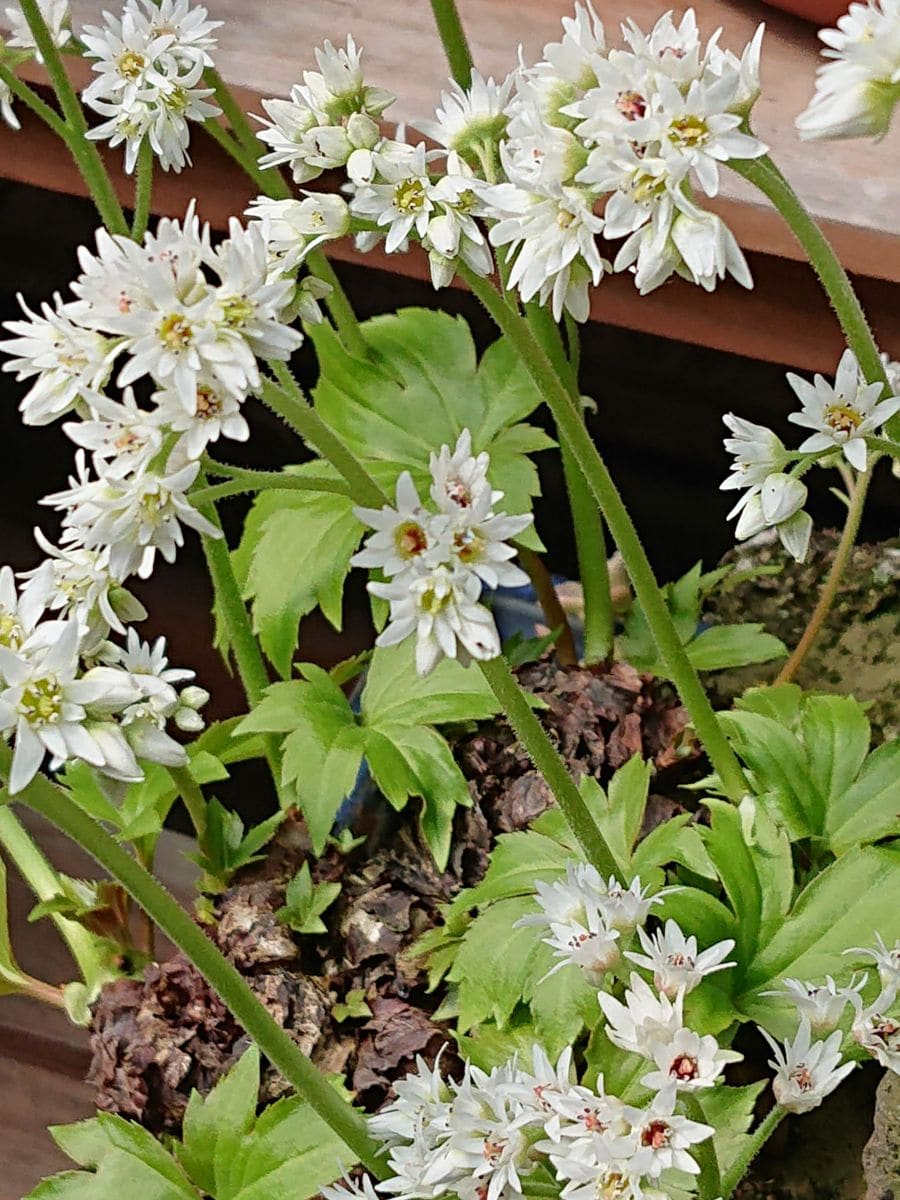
858, 649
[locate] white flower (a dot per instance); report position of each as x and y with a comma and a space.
776, 504
121, 437
291, 228
76, 582
857, 91
149, 66
806, 1071
664, 1138
591, 946
887, 960
820, 1004
404, 535
689, 1061
441, 607
644, 1021
402, 201
351, 1189
421, 1099
627, 908
472, 115
216, 414
57, 17
459, 480
45, 702
566, 900
673, 958
133, 517
65, 360
757, 451
6, 106
841, 415
876, 1032
708, 249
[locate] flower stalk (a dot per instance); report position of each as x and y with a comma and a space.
575, 435
142, 192
53, 804
546, 758
75, 127
454, 40
752, 1147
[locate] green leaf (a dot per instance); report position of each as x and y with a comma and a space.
619, 815
228, 848
674, 841
844, 906
396, 695
305, 902
517, 863
10, 972
708, 919
490, 1047
294, 555
562, 1004
724, 646
836, 736
438, 780
353, 1007
870, 808
727, 847
492, 964
783, 703
214, 1125
778, 762
323, 748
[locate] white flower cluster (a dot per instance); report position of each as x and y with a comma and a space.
66, 691
481, 1138
841, 417
437, 562
189, 317
535, 159
806, 1071
857, 91
327, 118
149, 64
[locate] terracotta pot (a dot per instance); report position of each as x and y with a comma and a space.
823, 13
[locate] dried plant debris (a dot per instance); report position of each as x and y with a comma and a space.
354, 999
858, 650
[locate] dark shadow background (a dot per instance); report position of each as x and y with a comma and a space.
658, 421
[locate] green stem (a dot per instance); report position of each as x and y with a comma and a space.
883, 446
292, 406
84, 151
590, 545
546, 758
29, 97
44, 882
273, 481
830, 588
53, 804
574, 434
269, 182
758, 1139
194, 801
234, 114
453, 38
248, 657
339, 307
709, 1179
143, 189
764, 174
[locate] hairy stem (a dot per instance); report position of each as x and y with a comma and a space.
454, 41
546, 758
45, 883
590, 545
143, 190
194, 801
53, 804
264, 481
234, 114
574, 434
295, 410
830, 588
84, 151
709, 1180
32, 100
765, 175
758, 1139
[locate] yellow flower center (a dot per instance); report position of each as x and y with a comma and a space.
409, 196
41, 702
208, 404
842, 418
176, 332
410, 539
433, 602
131, 64
237, 311
689, 131
10, 630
